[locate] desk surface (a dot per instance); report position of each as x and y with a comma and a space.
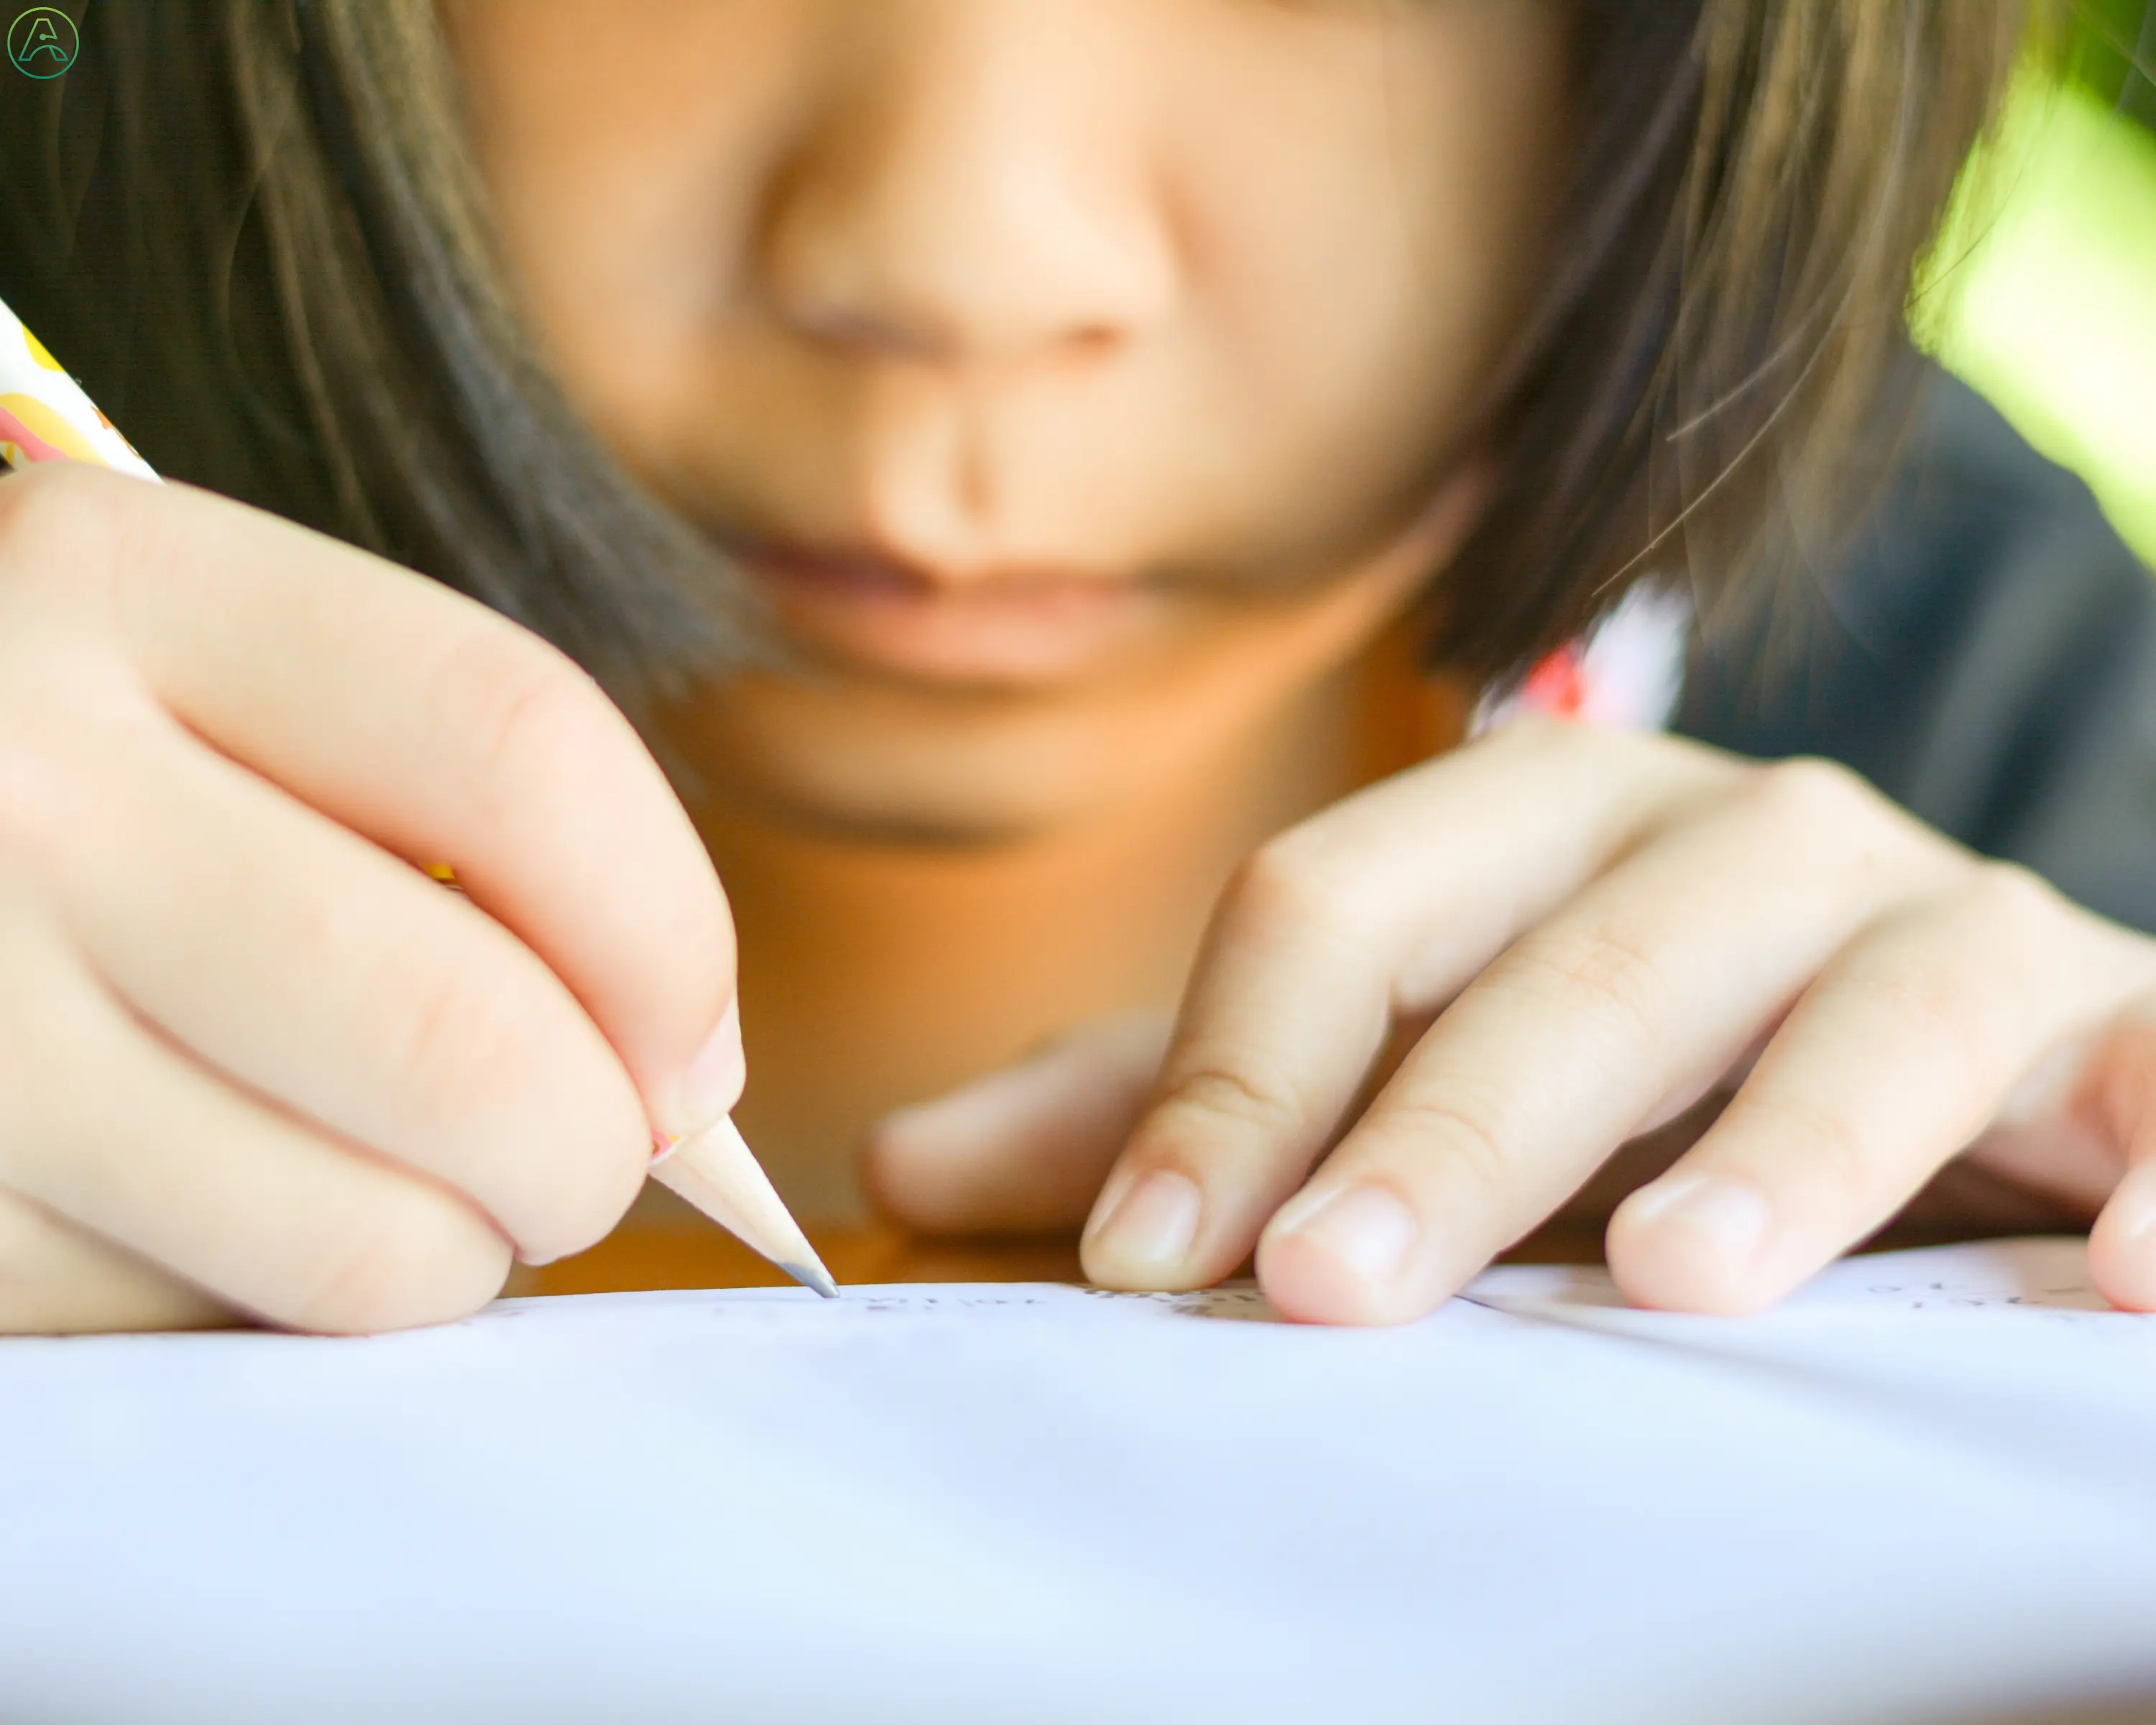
682, 1251
694, 1254
689, 1254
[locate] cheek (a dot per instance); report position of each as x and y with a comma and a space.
622, 143
1367, 253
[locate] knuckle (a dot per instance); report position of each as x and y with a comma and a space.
414, 1256
70, 533
1471, 1134
1544, 740
2005, 896
1533, 744
1607, 975
534, 718
1808, 794
1289, 884
53, 519
1223, 1093
1535, 731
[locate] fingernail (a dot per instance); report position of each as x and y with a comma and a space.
1365, 1228
716, 1078
1732, 1217
1153, 1227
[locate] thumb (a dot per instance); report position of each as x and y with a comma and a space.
1025, 1149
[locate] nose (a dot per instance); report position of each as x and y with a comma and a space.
976, 191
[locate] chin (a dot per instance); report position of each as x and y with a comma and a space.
952, 774
924, 816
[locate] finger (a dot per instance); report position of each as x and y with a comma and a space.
56, 1281
1617, 1013
104, 1124
1385, 905
283, 950
2115, 1103
435, 727
1025, 1149
1891, 1063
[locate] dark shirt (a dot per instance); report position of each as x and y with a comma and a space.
1985, 653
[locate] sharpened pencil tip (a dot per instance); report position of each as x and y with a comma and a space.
812, 1275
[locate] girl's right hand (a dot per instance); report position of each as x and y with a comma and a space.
252, 1059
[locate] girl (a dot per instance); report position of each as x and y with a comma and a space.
1050, 479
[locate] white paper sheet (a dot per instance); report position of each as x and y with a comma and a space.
1925, 1489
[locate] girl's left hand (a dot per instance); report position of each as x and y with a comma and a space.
1585, 932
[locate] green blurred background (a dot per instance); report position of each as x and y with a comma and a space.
2042, 292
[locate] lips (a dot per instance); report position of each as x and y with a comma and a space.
1015, 626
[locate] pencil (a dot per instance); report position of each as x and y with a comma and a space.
46, 416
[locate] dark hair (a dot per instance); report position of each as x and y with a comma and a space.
253, 229
1721, 366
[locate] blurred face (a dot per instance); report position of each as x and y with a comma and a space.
1081, 383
